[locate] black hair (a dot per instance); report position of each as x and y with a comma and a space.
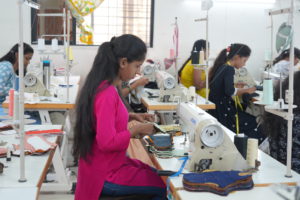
271, 122
105, 68
199, 45
11, 55
285, 54
225, 55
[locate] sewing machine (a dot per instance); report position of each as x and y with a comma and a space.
148, 70
34, 85
169, 91
211, 148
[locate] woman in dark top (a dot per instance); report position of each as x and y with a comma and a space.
275, 127
229, 111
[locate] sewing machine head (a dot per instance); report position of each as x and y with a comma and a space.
148, 70
169, 91
34, 85
211, 147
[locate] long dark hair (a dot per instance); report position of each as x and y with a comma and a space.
11, 55
105, 68
199, 45
272, 123
283, 55
225, 55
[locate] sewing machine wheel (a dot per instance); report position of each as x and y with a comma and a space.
29, 80
148, 69
243, 71
212, 135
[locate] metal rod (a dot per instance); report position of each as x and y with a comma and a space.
68, 57
290, 96
21, 93
207, 60
176, 56
272, 51
51, 14
53, 35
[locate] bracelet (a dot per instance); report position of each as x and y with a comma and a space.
129, 88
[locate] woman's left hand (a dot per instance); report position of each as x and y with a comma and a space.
142, 117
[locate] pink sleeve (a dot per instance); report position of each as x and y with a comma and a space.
108, 139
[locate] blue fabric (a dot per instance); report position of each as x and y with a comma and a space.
7, 78
112, 189
218, 182
221, 178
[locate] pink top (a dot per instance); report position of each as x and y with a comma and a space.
108, 161
109, 148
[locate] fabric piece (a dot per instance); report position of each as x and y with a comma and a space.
218, 182
187, 78
7, 78
107, 160
34, 145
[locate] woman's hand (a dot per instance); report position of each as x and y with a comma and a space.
142, 129
251, 90
142, 117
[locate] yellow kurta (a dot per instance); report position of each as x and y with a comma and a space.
187, 78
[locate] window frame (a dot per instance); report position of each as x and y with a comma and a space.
73, 34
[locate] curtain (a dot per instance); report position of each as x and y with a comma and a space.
79, 9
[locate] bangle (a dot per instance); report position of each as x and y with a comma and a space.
129, 88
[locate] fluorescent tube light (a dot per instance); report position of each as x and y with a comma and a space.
248, 1
32, 4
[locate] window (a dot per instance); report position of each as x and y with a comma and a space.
47, 27
111, 18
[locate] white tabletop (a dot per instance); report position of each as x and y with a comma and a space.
28, 193
271, 171
152, 104
34, 165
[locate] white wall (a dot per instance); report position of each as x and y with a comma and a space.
229, 23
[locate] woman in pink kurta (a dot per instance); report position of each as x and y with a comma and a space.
101, 135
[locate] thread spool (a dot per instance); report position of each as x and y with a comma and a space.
192, 93
172, 53
16, 106
8, 154
54, 44
201, 57
268, 91
195, 57
252, 147
71, 56
240, 142
41, 44
11, 102
16, 86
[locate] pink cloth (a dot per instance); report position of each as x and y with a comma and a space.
108, 161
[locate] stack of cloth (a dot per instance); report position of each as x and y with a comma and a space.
218, 182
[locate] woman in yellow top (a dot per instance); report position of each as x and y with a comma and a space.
189, 76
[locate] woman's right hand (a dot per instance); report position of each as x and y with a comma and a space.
142, 129
251, 90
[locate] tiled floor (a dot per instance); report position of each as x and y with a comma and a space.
56, 196
60, 195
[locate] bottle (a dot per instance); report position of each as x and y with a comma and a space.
46, 73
